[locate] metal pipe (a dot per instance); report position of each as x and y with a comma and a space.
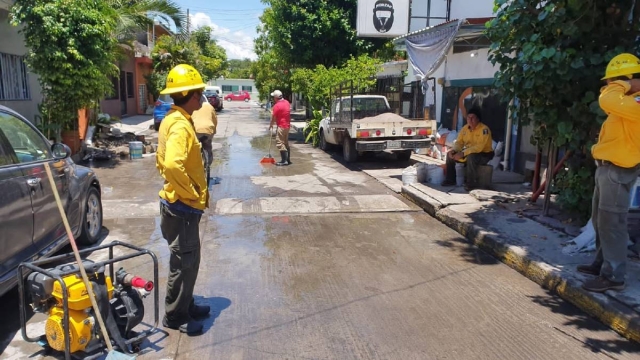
507, 141
536, 195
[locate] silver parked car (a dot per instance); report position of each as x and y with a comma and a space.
30, 223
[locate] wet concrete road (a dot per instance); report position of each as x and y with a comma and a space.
320, 261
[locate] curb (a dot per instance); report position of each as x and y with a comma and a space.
618, 316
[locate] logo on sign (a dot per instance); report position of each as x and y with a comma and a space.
383, 16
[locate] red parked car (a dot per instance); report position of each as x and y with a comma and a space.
238, 95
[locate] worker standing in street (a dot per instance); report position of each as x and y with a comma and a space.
474, 147
183, 198
281, 116
205, 121
617, 155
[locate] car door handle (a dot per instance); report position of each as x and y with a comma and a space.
33, 182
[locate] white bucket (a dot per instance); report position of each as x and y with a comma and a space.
435, 174
409, 175
459, 174
135, 150
635, 196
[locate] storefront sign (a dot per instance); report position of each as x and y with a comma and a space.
383, 18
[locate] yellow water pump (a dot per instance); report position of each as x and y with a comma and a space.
121, 305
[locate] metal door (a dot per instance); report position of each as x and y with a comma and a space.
16, 214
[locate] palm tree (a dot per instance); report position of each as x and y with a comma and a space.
134, 16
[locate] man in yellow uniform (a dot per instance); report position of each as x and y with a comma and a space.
183, 198
617, 155
474, 147
205, 121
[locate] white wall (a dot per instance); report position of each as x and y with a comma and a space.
11, 42
464, 66
463, 9
393, 69
235, 82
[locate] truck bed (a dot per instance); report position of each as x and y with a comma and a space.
386, 117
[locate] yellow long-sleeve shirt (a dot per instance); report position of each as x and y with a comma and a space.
179, 161
619, 140
205, 119
474, 141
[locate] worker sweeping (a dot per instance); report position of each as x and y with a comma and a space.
281, 116
617, 155
183, 198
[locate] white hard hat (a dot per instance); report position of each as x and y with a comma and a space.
277, 93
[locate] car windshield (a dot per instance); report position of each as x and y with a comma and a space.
166, 99
210, 93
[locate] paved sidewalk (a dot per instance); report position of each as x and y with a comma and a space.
487, 220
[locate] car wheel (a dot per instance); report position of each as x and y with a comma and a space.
156, 126
246, 100
349, 150
324, 145
91, 226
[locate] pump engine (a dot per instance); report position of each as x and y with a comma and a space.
120, 305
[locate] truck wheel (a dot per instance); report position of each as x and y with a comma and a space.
324, 145
349, 150
404, 155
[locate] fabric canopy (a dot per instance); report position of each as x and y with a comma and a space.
427, 50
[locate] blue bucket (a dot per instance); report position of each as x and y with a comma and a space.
135, 150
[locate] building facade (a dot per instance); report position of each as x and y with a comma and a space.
19, 87
232, 85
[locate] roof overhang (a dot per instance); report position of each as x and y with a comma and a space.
468, 34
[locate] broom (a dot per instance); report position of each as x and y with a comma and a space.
112, 355
269, 159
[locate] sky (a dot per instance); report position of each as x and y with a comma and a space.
233, 23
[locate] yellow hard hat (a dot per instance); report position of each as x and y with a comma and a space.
182, 79
622, 65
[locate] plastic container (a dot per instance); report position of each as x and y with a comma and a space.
409, 175
459, 174
435, 174
635, 196
135, 150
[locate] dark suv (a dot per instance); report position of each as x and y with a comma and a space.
214, 99
30, 223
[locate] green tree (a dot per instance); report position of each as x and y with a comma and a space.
213, 58
319, 83
305, 33
134, 16
552, 55
71, 49
168, 52
270, 71
239, 69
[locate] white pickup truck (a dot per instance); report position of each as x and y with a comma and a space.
368, 125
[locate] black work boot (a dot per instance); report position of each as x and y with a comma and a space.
285, 158
289, 155
591, 269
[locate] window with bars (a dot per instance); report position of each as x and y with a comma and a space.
248, 88
14, 78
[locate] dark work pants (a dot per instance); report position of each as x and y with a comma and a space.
610, 209
474, 161
181, 230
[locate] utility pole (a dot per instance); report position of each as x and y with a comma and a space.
188, 25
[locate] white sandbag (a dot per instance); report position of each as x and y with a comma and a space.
410, 175
584, 242
435, 174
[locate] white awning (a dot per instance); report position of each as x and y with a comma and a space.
427, 50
